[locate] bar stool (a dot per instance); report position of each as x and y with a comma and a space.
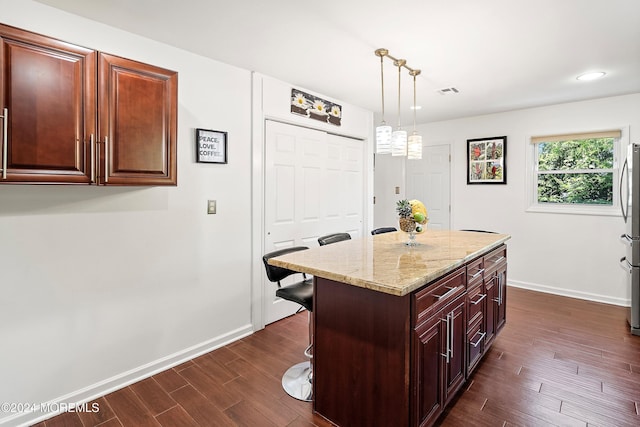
297, 380
333, 238
383, 230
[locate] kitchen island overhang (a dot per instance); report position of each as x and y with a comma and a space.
370, 347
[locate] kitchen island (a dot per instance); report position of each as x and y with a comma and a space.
398, 329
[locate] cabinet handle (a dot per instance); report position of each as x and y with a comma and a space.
451, 325
446, 353
106, 159
498, 260
5, 140
446, 294
93, 158
477, 343
478, 273
476, 302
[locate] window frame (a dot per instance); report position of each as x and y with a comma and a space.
619, 150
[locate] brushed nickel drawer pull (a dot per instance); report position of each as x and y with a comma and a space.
482, 296
446, 294
106, 159
477, 274
498, 260
447, 351
5, 141
477, 343
93, 157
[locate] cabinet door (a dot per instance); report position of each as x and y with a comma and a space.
47, 91
475, 345
491, 308
455, 369
501, 282
137, 122
429, 363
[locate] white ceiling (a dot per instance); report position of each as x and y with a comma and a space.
500, 54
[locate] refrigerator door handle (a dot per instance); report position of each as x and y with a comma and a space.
626, 240
624, 204
624, 264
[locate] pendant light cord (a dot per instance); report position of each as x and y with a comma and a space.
399, 63
382, 84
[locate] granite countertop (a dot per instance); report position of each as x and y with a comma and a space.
385, 264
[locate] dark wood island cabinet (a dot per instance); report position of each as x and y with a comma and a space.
398, 329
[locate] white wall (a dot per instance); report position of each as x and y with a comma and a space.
574, 255
102, 286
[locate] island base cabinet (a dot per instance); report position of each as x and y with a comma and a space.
439, 361
361, 355
387, 360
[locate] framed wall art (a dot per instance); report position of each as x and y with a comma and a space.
211, 146
486, 160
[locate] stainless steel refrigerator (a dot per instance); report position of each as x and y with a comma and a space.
630, 204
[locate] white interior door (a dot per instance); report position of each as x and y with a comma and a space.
314, 185
428, 180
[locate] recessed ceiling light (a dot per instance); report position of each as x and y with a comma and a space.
417, 107
591, 76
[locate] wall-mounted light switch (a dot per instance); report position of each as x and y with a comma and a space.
211, 206
397, 190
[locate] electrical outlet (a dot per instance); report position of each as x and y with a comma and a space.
211, 206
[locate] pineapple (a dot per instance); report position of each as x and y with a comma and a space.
407, 223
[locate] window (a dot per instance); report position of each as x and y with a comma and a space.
576, 173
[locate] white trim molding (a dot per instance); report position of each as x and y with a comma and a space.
569, 293
109, 385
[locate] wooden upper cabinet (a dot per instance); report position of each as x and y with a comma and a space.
47, 91
74, 115
137, 122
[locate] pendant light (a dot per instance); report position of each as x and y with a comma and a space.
399, 136
414, 149
383, 132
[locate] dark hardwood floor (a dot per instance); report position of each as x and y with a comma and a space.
559, 361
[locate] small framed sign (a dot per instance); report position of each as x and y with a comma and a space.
211, 146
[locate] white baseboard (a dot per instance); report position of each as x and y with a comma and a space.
124, 379
570, 293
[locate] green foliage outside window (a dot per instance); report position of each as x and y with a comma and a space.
576, 171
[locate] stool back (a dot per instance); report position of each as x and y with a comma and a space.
276, 274
333, 238
383, 230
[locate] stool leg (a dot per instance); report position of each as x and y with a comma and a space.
297, 381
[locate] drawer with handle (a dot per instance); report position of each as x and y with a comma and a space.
475, 272
436, 294
476, 300
495, 259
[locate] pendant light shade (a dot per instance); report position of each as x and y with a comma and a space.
383, 131
399, 143
383, 139
414, 150
415, 141
399, 136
